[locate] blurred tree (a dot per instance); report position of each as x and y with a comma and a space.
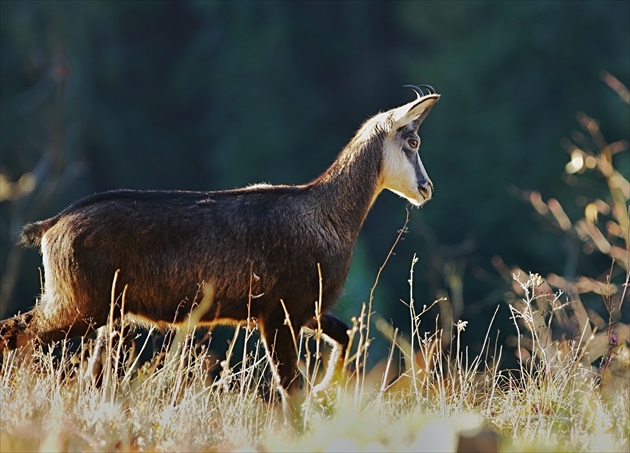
206, 94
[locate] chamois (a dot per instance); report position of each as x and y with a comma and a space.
261, 248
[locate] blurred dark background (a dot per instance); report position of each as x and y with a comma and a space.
212, 95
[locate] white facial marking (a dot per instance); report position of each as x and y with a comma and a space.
403, 171
399, 174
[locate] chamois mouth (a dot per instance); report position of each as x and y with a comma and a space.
425, 192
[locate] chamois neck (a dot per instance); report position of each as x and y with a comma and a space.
347, 190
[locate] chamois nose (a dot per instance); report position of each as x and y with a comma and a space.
426, 189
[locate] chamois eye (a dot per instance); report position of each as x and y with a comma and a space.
413, 143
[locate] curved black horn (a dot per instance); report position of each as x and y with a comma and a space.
418, 89
429, 88
415, 88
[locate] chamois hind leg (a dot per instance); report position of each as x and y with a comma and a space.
43, 326
335, 333
13, 331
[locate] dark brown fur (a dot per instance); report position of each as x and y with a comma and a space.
168, 244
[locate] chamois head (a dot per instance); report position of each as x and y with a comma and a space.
403, 172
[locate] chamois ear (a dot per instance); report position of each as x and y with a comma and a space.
416, 111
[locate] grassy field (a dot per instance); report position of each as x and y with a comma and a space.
421, 398
569, 393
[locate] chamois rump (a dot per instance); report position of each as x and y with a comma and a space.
258, 247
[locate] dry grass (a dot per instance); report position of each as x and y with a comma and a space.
436, 399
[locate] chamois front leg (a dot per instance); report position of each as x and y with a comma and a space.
281, 351
336, 334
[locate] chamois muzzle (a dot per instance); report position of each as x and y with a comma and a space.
426, 190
